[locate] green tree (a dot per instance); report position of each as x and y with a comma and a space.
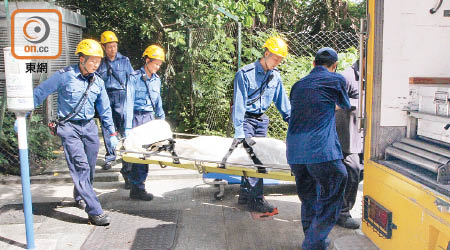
314, 15
201, 52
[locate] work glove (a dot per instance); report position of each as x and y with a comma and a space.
114, 141
127, 131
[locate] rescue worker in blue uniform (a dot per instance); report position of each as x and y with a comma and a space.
313, 149
79, 134
256, 86
143, 104
114, 70
351, 140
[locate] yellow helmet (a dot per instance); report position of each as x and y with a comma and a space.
108, 36
89, 47
277, 46
155, 52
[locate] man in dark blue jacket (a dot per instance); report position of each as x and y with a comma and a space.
256, 87
80, 90
143, 104
313, 149
114, 70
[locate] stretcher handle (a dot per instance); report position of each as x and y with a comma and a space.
255, 166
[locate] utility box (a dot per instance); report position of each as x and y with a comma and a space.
72, 25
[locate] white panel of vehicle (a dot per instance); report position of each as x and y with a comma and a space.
415, 44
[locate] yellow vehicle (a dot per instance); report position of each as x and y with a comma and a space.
406, 202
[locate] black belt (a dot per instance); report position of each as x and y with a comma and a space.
253, 115
114, 90
80, 122
142, 112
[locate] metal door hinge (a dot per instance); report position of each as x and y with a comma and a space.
442, 205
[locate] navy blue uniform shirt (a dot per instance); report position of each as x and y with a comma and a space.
138, 97
246, 82
122, 68
70, 85
312, 136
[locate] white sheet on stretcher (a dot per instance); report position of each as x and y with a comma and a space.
208, 148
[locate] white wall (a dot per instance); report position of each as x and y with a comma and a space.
415, 44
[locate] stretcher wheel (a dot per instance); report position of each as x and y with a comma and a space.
218, 196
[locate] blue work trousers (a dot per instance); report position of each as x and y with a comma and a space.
321, 188
254, 126
81, 143
139, 172
117, 100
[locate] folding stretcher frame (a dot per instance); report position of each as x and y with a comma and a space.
277, 172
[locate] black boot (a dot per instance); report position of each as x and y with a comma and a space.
243, 197
100, 220
262, 206
127, 181
348, 222
140, 194
125, 171
107, 166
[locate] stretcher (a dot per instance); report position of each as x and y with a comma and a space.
277, 172
163, 152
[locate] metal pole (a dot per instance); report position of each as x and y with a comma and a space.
239, 45
3, 105
25, 176
413, 159
362, 75
239, 49
236, 19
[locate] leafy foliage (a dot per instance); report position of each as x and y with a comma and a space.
201, 55
292, 69
201, 46
40, 145
314, 15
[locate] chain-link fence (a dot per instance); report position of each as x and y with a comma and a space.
212, 61
302, 48
199, 96
306, 44
198, 81
218, 96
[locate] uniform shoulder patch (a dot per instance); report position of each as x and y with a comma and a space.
136, 72
248, 67
65, 69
